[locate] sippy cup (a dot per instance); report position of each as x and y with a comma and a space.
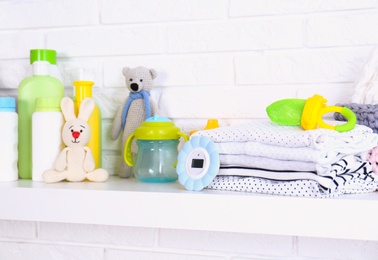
157, 139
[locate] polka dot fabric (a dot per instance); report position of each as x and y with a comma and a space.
298, 188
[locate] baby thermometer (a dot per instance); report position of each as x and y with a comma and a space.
198, 163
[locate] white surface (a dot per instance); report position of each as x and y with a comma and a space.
128, 202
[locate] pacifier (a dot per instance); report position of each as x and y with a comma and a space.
309, 113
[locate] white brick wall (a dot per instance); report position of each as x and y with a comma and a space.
236, 35
123, 12
231, 58
331, 65
277, 7
41, 14
342, 29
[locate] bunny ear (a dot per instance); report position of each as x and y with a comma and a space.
86, 109
67, 106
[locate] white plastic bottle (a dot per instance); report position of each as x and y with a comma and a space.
47, 124
8, 139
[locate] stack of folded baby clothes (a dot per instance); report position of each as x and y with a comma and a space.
263, 157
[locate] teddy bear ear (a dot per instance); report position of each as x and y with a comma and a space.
67, 106
153, 73
125, 70
86, 109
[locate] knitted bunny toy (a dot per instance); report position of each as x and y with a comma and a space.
75, 162
134, 110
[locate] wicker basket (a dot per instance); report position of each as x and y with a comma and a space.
366, 114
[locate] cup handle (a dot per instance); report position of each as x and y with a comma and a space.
128, 156
184, 136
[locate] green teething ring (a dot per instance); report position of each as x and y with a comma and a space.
352, 120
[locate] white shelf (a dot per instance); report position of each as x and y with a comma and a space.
127, 202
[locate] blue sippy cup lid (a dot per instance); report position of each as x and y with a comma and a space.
7, 104
158, 128
157, 119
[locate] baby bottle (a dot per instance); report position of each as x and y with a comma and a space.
157, 139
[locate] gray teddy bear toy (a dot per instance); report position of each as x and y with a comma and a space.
137, 107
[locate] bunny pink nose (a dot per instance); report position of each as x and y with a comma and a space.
75, 134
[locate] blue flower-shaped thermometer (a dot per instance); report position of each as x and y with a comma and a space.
198, 163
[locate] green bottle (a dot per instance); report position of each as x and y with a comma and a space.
40, 84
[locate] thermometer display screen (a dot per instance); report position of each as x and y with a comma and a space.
197, 163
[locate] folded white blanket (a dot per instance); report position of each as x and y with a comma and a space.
269, 163
266, 132
305, 154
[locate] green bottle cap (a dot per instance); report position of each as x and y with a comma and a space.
43, 55
47, 104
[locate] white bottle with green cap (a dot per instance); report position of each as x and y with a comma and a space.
8, 139
46, 135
